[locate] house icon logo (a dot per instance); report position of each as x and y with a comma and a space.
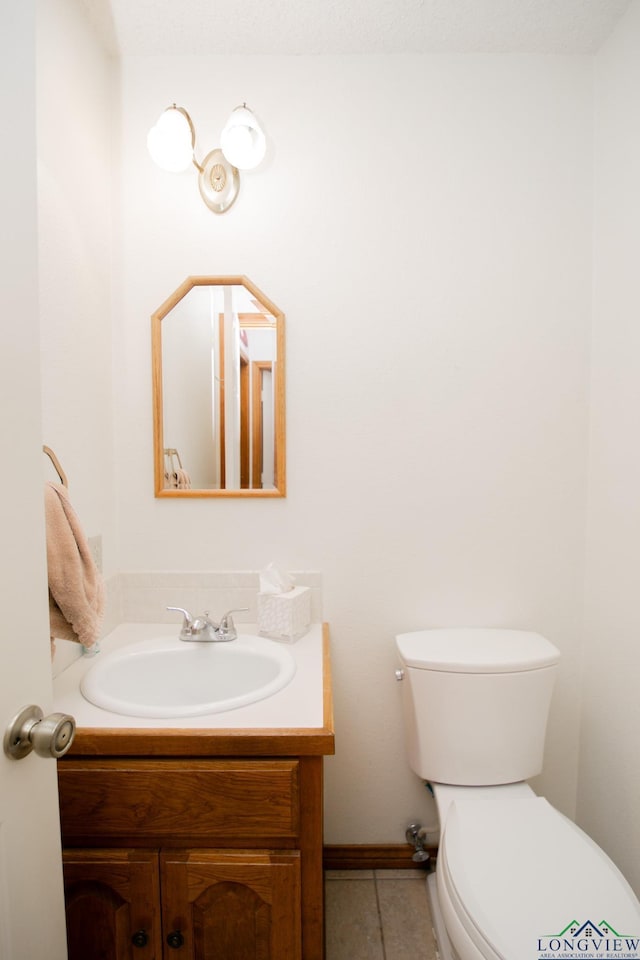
580, 940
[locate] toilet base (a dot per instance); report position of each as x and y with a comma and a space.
444, 949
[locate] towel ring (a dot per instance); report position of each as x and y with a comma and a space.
171, 452
56, 463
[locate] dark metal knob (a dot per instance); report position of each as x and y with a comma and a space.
140, 938
175, 939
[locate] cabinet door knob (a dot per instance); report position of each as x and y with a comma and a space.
175, 939
140, 938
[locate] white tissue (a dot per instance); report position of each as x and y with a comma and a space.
274, 580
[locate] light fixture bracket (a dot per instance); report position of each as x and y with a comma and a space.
218, 181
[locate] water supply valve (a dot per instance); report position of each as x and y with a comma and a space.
415, 836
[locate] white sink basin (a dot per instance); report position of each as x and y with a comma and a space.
170, 678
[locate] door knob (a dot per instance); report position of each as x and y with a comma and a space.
30, 730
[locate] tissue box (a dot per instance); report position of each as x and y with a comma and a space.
284, 616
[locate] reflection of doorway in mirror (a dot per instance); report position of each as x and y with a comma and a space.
263, 437
258, 345
255, 439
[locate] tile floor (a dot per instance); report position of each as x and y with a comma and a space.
377, 915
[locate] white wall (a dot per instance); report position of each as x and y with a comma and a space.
609, 787
75, 125
425, 224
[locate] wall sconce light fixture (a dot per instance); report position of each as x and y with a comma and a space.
172, 142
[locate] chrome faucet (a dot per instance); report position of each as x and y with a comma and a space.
203, 630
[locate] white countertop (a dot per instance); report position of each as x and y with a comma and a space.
298, 705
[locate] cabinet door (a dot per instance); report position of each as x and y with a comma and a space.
222, 905
113, 904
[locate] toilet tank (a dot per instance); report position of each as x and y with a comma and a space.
475, 703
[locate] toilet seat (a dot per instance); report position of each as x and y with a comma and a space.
513, 871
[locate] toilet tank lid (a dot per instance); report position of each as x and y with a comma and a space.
476, 650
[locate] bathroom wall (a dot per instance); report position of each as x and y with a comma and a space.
76, 86
425, 223
609, 785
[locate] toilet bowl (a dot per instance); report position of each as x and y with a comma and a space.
513, 874
515, 878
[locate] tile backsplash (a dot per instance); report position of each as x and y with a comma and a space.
145, 596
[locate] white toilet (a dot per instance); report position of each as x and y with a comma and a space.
515, 879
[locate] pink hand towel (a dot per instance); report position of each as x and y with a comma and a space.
76, 587
184, 480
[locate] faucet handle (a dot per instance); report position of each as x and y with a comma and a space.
227, 619
226, 627
187, 616
187, 623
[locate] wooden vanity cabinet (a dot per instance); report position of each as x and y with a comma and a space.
197, 904
201, 859
196, 844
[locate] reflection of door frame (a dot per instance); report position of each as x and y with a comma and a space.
257, 369
245, 423
221, 423
245, 414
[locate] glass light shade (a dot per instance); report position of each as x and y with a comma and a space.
242, 140
170, 143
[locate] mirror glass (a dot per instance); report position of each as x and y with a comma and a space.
218, 391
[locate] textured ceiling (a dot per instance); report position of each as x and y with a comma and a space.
145, 27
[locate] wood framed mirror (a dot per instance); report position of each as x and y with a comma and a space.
218, 351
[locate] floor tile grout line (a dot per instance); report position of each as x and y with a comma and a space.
380, 925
